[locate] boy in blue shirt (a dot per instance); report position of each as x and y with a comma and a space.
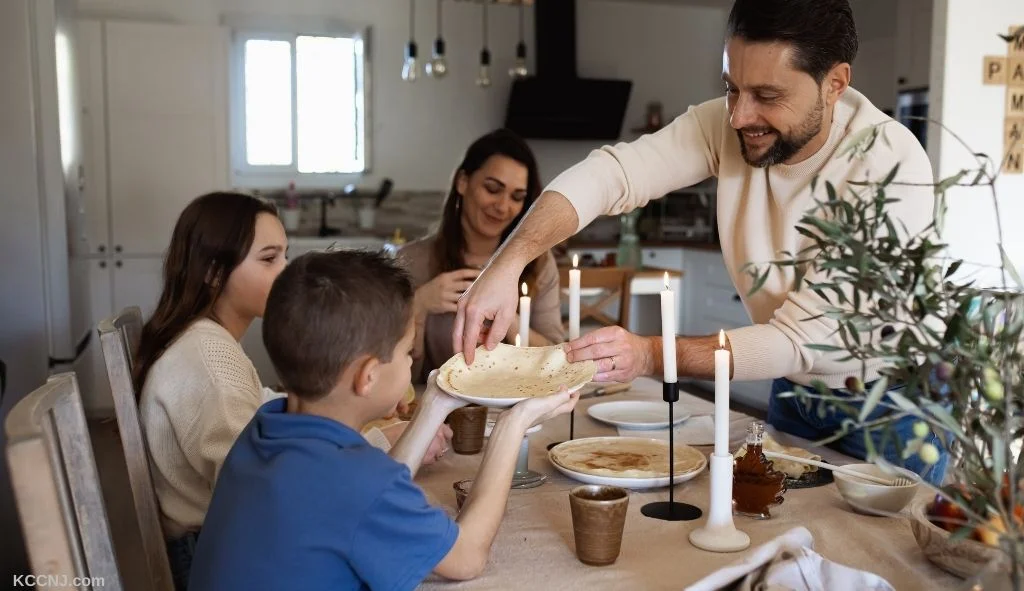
303, 501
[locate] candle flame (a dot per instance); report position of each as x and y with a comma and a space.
721, 339
524, 288
575, 261
517, 340
666, 280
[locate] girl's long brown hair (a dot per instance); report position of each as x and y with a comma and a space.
212, 237
450, 241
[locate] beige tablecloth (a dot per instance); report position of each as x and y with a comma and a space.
534, 547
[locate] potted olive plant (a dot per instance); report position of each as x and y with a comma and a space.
955, 347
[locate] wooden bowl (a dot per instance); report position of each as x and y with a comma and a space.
963, 558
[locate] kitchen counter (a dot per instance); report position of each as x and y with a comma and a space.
694, 244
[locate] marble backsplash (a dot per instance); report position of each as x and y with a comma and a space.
415, 213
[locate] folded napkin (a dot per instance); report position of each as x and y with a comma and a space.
789, 562
694, 431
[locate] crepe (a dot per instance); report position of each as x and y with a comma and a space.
514, 372
789, 467
625, 457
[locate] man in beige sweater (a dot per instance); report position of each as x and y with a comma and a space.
787, 109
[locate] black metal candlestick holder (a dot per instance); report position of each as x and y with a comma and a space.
671, 510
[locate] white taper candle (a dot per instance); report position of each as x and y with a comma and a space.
721, 397
668, 333
574, 299
524, 318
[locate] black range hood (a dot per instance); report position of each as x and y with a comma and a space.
555, 103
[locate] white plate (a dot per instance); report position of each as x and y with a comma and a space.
632, 483
492, 402
635, 414
549, 363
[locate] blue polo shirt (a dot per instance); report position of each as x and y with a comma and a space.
304, 502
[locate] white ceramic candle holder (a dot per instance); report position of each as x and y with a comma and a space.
719, 534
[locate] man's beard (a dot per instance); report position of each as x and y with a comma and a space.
785, 146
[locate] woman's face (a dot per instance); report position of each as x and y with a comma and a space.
493, 195
249, 284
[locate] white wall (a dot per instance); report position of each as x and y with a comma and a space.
965, 32
672, 53
23, 342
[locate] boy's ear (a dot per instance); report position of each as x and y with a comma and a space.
366, 375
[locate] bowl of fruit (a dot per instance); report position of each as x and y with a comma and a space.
934, 522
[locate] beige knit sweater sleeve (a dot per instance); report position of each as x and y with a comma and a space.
618, 179
235, 396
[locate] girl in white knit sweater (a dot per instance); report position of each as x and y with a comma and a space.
199, 389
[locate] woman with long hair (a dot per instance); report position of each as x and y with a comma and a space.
491, 190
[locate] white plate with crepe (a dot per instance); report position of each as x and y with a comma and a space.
635, 414
630, 462
507, 375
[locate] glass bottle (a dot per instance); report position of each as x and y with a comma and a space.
756, 484
629, 242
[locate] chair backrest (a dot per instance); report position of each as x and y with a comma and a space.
119, 339
615, 281
57, 488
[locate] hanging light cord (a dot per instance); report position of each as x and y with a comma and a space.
485, 24
439, 19
522, 16
412, 20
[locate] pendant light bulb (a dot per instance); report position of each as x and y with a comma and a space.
410, 65
519, 69
437, 67
483, 78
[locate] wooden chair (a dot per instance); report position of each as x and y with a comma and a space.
57, 488
615, 281
119, 340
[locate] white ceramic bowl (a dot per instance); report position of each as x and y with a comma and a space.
875, 499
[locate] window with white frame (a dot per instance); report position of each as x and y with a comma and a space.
298, 107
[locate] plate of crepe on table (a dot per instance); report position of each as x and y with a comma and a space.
507, 375
797, 475
629, 462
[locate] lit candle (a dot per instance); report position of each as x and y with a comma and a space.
721, 397
574, 299
524, 317
668, 332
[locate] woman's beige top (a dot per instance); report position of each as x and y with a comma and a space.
545, 308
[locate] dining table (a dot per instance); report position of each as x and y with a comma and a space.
534, 547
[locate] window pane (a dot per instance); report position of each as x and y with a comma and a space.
268, 102
326, 94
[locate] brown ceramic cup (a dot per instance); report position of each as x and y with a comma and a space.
468, 426
598, 517
462, 488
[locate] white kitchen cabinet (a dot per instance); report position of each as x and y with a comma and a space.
92, 373
663, 258
154, 112
94, 126
137, 282
712, 304
913, 43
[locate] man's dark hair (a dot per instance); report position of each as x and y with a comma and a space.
822, 32
328, 308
